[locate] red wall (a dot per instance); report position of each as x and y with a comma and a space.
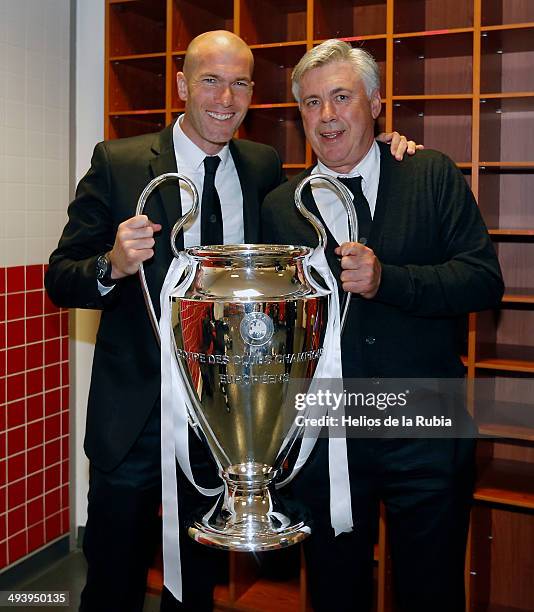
34, 415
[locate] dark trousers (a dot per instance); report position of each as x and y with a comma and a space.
123, 531
426, 486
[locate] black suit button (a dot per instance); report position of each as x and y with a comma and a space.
362, 240
370, 340
213, 219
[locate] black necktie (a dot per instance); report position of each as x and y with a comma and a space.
211, 224
363, 212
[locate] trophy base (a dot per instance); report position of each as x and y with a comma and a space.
251, 518
238, 541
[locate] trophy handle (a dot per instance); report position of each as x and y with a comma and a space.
346, 198
189, 215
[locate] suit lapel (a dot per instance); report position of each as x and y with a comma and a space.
163, 206
386, 163
164, 161
333, 260
251, 204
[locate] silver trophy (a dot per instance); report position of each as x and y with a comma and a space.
247, 336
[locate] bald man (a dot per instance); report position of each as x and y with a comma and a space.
95, 265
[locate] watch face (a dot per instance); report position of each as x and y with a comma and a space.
102, 264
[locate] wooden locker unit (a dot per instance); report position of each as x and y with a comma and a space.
457, 76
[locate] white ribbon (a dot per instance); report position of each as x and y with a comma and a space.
329, 367
174, 415
175, 407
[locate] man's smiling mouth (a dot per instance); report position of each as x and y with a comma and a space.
220, 116
332, 135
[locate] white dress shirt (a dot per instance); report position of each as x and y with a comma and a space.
190, 162
328, 203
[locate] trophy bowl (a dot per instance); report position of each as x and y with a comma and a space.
248, 334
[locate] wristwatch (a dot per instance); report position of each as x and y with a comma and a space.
103, 270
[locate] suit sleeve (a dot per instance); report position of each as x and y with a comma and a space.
469, 279
268, 227
71, 276
280, 175
273, 174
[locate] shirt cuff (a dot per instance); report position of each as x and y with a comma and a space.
103, 290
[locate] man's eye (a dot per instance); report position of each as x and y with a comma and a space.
342, 98
312, 103
209, 81
241, 84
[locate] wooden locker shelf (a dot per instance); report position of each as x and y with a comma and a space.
349, 19
519, 295
511, 356
502, 203
398, 36
264, 21
355, 39
424, 119
503, 404
440, 64
192, 17
505, 95
279, 45
501, 164
509, 365
275, 63
137, 83
507, 482
295, 166
133, 123
136, 27
134, 56
508, 432
451, 96
507, 128
276, 105
507, 26
264, 124
506, 60
127, 113
505, 12
431, 15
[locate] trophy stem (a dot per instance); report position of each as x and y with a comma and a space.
248, 516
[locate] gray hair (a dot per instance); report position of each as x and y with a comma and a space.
335, 50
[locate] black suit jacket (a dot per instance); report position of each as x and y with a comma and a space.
438, 263
125, 380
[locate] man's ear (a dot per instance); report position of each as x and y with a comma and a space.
181, 84
376, 104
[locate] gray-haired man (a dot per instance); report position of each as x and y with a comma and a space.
423, 260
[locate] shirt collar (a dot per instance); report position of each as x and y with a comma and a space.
365, 168
188, 154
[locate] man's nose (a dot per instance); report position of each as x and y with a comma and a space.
328, 111
225, 95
